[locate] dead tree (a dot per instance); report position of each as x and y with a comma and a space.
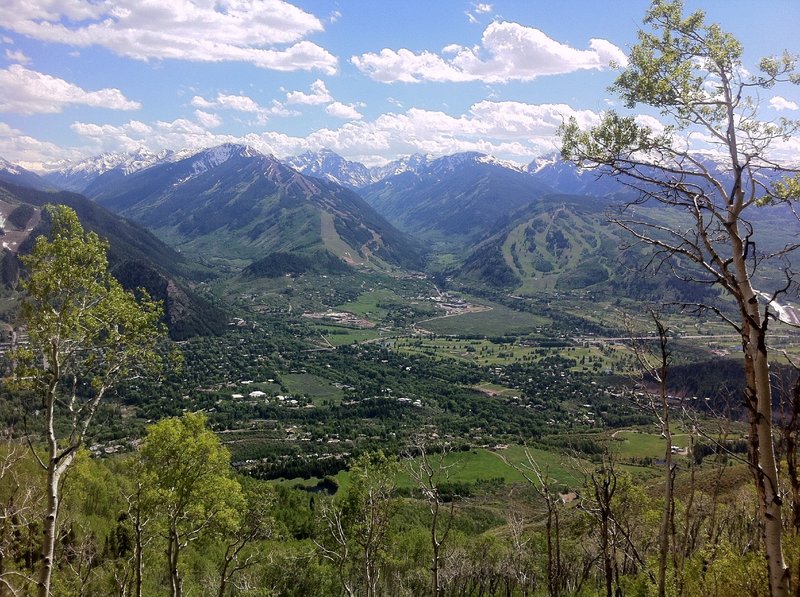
429, 472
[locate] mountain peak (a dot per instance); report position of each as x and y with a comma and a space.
14, 174
329, 165
219, 154
77, 176
8, 167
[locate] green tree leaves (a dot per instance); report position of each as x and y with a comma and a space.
188, 485
188, 477
81, 323
85, 335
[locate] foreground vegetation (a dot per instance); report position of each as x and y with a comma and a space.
513, 521
538, 457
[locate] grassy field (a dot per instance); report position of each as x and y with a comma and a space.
499, 321
484, 352
340, 336
367, 304
496, 390
630, 443
511, 463
316, 388
481, 464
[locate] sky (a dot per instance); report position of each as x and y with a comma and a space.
372, 80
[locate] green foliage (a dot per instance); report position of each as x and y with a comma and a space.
187, 314
615, 138
488, 265
354, 534
586, 273
281, 263
189, 489
80, 321
187, 476
720, 570
693, 73
786, 189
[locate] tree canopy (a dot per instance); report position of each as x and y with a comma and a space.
85, 334
188, 480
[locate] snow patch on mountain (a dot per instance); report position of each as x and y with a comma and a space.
331, 166
414, 163
488, 159
9, 167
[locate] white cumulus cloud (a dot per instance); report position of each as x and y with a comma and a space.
345, 111
509, 130
477, 9
17, 56
319, 95
30, 152
207, 119
654, 124
194, 30
507, 52
240, 103
26, 91
781, 103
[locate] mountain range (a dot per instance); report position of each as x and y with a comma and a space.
524, 229
232, 205
79, 176
17, 175
453, 200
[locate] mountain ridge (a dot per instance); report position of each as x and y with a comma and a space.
234, 203
136, 257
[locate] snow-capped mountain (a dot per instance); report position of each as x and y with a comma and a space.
17, 175
354, 175
413, 163
327, 164
569, 179
77, 177
455, 198
233, 202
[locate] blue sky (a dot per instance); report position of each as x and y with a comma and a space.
369, 79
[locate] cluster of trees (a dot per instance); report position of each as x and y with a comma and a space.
280, 264
172, 518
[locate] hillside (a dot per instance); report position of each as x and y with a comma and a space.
566, 244
454, 200
232, 205
136, 257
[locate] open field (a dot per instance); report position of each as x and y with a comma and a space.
481, 464
630, 443
316, 388
335, 335
499, 321
596, 357
510, 463
370, 304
